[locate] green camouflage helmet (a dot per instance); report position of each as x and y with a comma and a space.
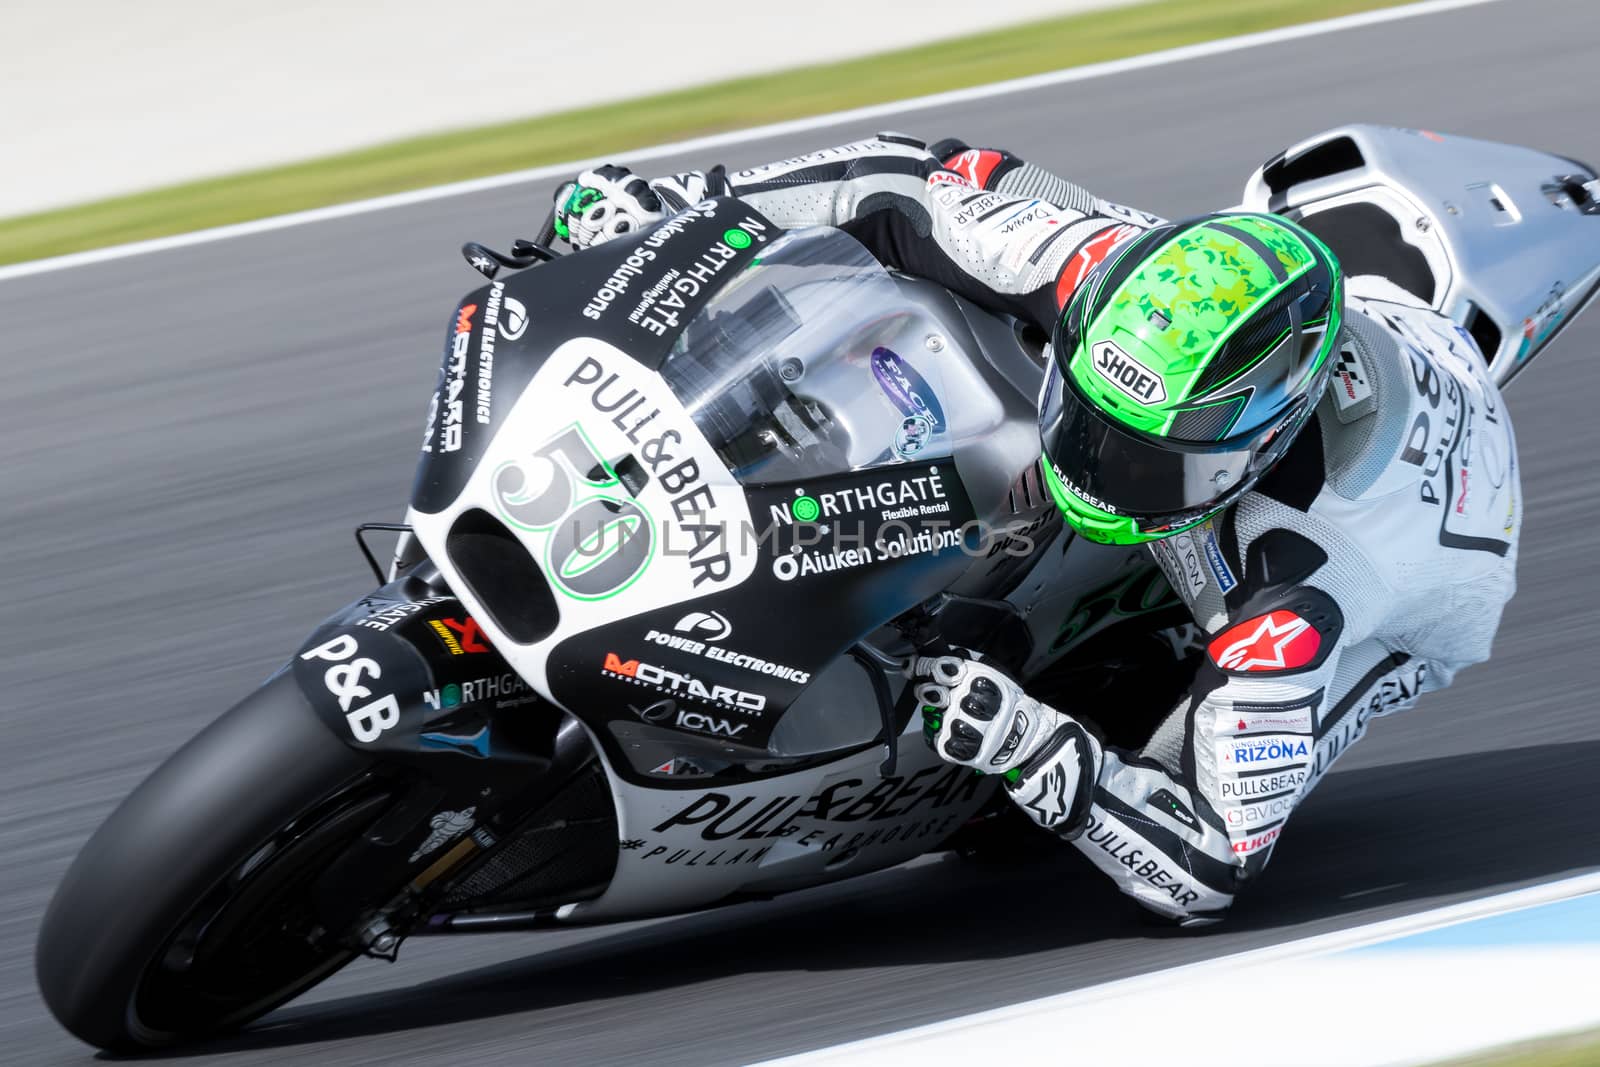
1184, 365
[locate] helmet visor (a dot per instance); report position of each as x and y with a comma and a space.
1158, 482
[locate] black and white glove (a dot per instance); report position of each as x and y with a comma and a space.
604, 203
975, 715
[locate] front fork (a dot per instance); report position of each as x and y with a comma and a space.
404, 676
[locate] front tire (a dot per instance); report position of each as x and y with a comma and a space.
190, 909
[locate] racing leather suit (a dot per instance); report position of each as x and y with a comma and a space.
1368, 567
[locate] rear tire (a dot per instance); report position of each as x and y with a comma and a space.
188, 911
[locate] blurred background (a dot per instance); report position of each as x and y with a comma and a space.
130, 98
176, 115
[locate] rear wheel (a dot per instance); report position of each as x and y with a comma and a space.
192, 908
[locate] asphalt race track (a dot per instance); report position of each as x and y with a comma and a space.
196, 431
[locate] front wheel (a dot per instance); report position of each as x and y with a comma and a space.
192, 908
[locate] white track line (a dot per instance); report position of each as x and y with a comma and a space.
699, 144
884, 1047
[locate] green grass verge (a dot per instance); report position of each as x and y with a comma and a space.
1576, 1050
615, 128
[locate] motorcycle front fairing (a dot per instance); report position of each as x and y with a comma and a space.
711, 459
777, 443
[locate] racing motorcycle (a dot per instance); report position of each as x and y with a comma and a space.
685, 504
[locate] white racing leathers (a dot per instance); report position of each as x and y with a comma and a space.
981, 222
1368, 567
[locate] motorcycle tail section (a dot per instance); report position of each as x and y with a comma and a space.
1504, 240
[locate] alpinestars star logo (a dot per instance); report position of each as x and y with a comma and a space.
1087, 258
1049, 805
1276, 641
975, 165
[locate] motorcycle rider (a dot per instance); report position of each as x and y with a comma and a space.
1342, 549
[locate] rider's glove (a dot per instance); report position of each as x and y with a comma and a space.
974, 714
604, 203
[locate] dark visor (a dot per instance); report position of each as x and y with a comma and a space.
1127, 473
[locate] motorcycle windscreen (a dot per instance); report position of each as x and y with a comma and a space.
813, 362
